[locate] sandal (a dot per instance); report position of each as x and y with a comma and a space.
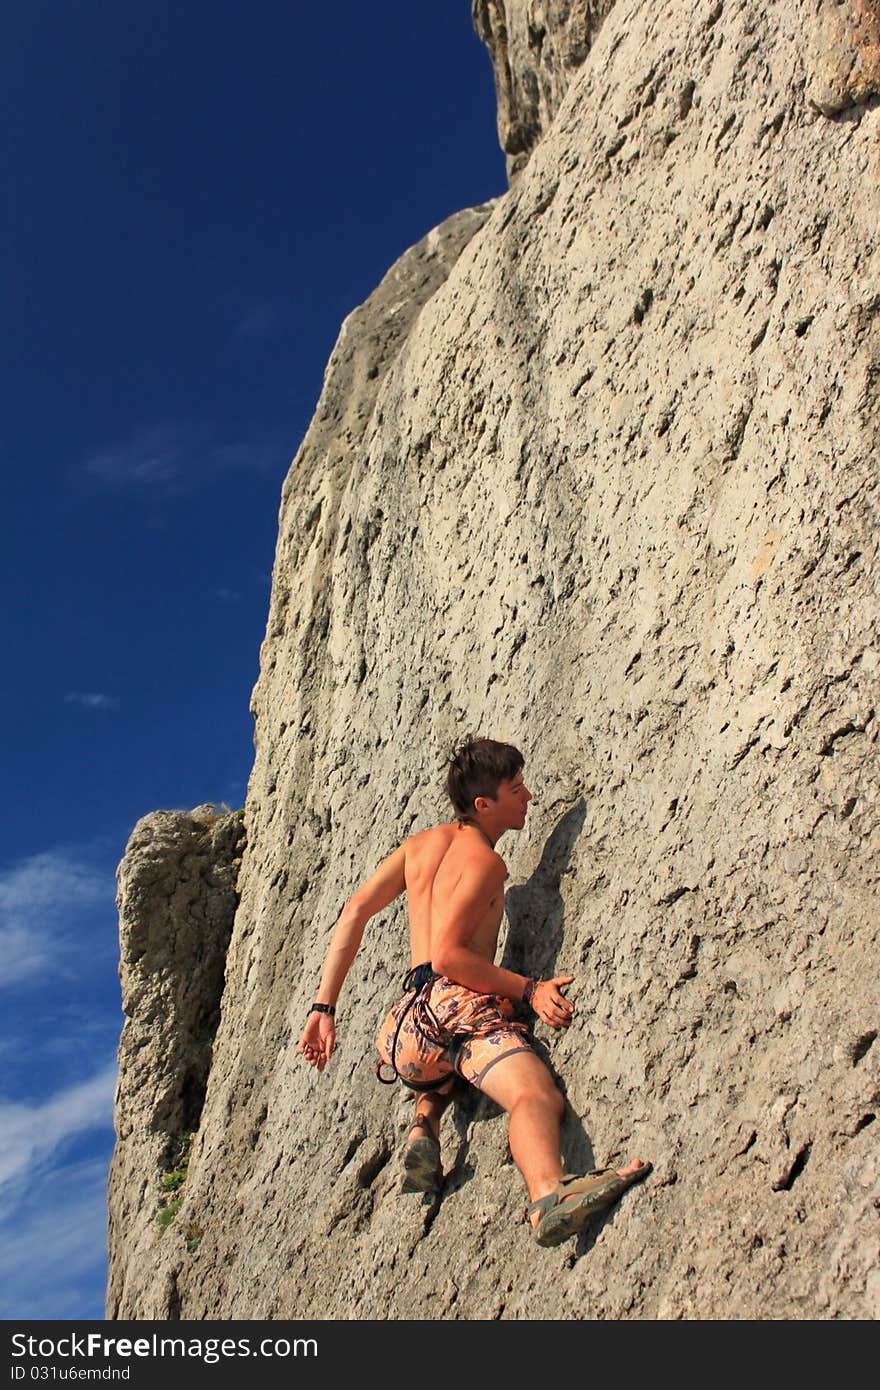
568, 1208
421, 1162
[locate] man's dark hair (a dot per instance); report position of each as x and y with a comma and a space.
476, 768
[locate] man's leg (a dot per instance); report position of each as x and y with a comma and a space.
430, 1107
522, 1085
422, 1169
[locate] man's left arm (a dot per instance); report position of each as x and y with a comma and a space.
386, 884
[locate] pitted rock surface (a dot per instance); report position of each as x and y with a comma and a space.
611, 495
177, 898
843, 62
535, 46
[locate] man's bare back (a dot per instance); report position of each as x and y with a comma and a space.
435, 862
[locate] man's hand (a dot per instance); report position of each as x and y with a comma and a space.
318, 1040
550, 1004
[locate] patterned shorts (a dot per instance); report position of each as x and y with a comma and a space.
449, 1030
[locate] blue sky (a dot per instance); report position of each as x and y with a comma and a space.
194, 198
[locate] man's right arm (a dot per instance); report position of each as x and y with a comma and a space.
387, 883
453, 931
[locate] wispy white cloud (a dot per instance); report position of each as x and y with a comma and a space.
37, 897
31, 1134
152, 456
24, 951
53, 1243
56, 1133
174, 458
48, 881
248, 456
228, 595
89, 700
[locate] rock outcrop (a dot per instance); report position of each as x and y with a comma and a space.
177, 898
535, 47
594, 471
843, 63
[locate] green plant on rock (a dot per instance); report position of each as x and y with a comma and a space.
168, 1212
192, 1234
172, 1181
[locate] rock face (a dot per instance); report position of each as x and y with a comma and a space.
593, 471
535, 46
843, 66
177, 899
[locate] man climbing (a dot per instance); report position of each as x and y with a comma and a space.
455, 1018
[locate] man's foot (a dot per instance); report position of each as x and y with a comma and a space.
567, 1209
421, 1160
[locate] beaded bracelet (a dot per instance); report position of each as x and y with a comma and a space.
528, 992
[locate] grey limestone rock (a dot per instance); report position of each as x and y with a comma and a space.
177, 897
535, 46
594, 471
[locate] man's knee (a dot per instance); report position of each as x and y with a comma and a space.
555, 1098
522, 1077
542, 1090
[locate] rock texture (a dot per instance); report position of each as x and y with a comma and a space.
177, 899
593, 471
843, 66
535, 46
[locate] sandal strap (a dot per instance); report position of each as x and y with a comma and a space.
552, 1199
543, 1204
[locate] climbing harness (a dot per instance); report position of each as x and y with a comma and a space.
419, 979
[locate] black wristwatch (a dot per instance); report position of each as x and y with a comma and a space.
323, 1009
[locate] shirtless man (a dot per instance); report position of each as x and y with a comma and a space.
456, 1016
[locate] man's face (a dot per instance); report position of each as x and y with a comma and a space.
511, 802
